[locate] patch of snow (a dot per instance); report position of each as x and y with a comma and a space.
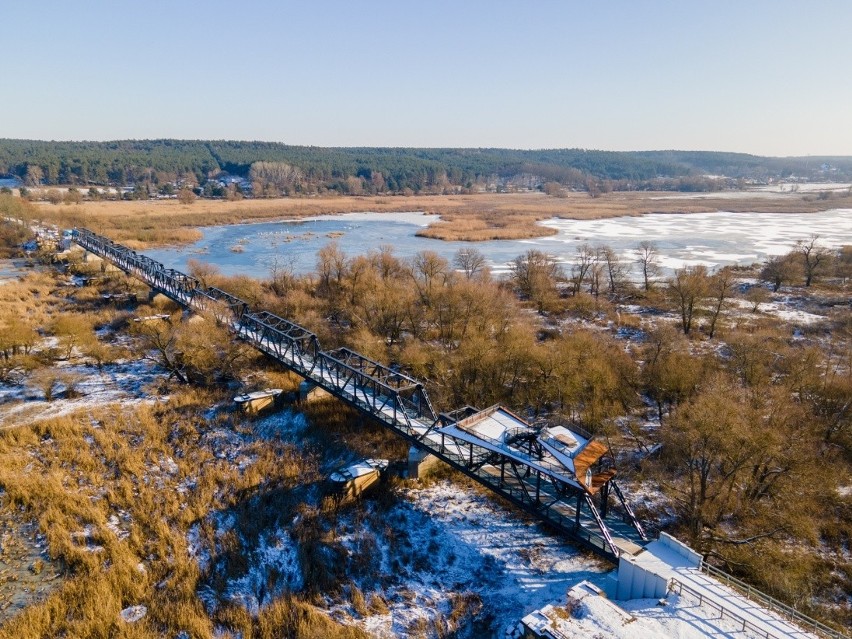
132, 614
449, 539
169, 466
282, 425
122, 381
646, 497
278, 553
196, 548
115, 526
783, 310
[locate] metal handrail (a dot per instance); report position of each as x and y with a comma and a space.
771, 603
702, 600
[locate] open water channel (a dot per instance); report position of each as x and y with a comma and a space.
713, 239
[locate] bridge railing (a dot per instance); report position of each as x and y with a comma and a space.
401, 405
281, 339
771, 603
549, 512
675, 585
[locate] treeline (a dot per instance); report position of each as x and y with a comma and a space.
377, 170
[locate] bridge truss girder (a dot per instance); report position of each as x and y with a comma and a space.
398, 401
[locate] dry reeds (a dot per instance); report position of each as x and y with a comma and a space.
475, 217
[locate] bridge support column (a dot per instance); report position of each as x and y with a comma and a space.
419, 462
105, 265
260, 401
310, 392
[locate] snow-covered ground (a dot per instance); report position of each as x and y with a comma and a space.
784, 309
275, 552
450, 540
14, 269
123, 381
768, 191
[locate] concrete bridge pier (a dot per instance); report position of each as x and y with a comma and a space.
311, 392
420, 462
260, 401
105, 266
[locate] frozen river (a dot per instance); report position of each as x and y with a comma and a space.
713, 239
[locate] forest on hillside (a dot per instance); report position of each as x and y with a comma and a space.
356, 170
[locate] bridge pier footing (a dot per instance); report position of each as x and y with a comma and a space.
105, 265
310, 392
420, 462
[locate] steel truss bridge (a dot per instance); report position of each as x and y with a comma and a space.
521, 465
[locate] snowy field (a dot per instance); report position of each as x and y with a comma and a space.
123, 381
14, 269
472, 544
711, 239
769, 191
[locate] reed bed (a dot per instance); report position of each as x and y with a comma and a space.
474, 217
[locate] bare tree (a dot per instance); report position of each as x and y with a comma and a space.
720, 288
278, 175
813, 257
204, 272
331, 267
615, 268
582, 265
756, 295
160, 340
777, 270
470, 261
535, 275
688, 287
385, 262
649, 262
282, 274
34, 175
428, 267
553, 188
595, 275
186, 196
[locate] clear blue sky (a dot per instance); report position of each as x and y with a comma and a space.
767, 77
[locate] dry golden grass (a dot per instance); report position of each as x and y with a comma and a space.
73, 475
465, 217
457, 227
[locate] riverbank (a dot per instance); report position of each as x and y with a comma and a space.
477, 217
710, 239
